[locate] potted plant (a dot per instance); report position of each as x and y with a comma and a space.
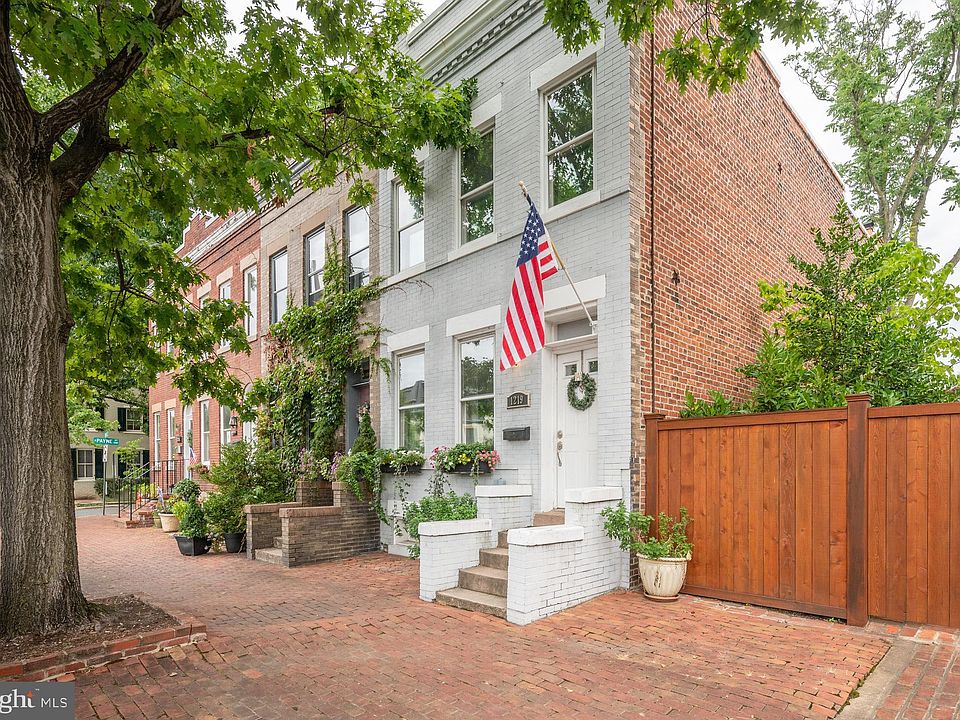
466, 459
157, 520
192, 538
169, 520
662, 554
226, 519
401, 462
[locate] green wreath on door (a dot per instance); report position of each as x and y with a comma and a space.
581, 391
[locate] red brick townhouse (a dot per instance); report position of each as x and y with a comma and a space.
272, 260
227, 252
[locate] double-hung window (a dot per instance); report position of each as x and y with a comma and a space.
408, 224
156, 437
476, 389
278, 286
205, 431
476, 189
188, 456
356, 222
86, 465
226, 433
249, 426
250, 298
315, 248
132, 420
569, 111
171, 434
410, 400
225, 290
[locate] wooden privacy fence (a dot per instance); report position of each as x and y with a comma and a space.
846, 512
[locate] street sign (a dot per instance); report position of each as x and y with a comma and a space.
105, 441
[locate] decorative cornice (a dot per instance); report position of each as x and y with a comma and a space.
471, 36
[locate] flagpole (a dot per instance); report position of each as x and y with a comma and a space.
556, 254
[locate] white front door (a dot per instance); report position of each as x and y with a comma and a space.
576, 430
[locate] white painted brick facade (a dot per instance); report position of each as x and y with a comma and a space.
448, 546
505, 506
556, 567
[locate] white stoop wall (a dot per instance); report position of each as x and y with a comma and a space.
558, 566
505, 506
448, 546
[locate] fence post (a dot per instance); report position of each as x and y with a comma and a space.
857, 508
651, 461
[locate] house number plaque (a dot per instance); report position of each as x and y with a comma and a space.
518, 399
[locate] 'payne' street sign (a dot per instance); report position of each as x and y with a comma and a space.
105, 441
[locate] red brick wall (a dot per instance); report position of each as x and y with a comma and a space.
737, 185
226, 254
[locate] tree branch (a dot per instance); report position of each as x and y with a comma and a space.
77, 164
13, 98
96, 94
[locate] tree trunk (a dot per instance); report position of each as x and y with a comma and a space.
39, 572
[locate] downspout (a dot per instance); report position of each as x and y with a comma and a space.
653, 284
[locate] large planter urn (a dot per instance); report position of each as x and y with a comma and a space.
192, 546
662, 578
169, 522
233, 542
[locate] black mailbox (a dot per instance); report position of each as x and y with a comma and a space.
517, 433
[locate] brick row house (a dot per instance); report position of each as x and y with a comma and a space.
666, 209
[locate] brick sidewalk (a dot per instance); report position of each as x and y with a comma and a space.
351, 639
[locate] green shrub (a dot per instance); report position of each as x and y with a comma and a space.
194, 522
179, 508
187, 489
436, 507
224, 514
633, 531
250, 477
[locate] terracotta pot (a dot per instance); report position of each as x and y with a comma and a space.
169, 522
662, 578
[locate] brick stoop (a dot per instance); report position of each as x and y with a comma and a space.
483, 588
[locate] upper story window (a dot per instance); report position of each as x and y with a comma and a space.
315, 247
171, 434
250, 298
410, 400
570, 139
205, 431
476, 389
408, 224
224, 290
356, 223
278, 286
130, 419
226, 432
476, 189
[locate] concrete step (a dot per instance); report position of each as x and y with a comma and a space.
270, 555
484, 580
473, 600
278, 542
551, 517
497, 557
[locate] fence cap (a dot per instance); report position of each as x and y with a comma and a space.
859, 397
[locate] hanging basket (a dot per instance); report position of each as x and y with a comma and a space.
581, 391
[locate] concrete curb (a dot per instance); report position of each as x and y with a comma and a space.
880, 682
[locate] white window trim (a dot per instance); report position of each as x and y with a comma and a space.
272, 288
205, 433
126, 425
395, 228
250, 320
171, 433
320, 231
545, 154
156, 437
408, 352
92, 464
226, 434
458, 409
461, 196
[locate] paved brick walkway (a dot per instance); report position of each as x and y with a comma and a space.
929, 688
351, 640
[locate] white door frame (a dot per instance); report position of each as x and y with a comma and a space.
547, 496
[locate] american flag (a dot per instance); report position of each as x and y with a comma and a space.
523, 334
